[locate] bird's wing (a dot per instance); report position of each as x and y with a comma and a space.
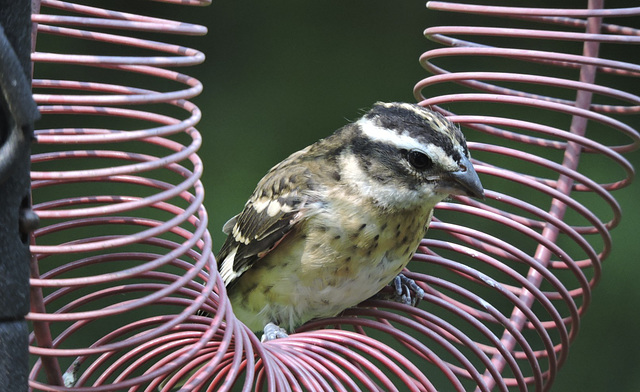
277, 205
228, 226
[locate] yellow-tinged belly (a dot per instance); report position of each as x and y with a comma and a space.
337, 263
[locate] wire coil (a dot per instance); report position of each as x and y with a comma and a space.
124, 244
123, 230
550, 288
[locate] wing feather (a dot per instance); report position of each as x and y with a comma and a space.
277, 205
228, 226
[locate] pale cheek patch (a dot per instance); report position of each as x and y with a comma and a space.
385, 195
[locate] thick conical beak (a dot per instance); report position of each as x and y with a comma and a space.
466, 180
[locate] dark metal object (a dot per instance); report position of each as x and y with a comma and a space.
17, 114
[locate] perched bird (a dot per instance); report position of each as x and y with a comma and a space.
335, 222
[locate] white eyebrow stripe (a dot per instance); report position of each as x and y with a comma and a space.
379, 134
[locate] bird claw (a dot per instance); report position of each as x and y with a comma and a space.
272, 332
403, 289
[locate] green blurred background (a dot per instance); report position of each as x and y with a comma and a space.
281, 74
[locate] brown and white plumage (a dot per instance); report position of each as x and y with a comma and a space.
334, 223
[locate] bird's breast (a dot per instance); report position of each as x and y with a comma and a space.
336, 259
347, 256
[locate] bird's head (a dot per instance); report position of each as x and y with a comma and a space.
402, 155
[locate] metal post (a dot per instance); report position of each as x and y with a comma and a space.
17, 113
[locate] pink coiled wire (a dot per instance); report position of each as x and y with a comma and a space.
123, 249
123, 225
548, 296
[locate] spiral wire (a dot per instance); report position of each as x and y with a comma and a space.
546, 284
122, 262
124, 232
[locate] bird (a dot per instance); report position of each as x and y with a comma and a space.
334, 223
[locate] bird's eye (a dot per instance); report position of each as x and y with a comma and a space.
419, 160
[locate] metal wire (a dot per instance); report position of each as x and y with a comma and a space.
547, 297
123, 244
123, 232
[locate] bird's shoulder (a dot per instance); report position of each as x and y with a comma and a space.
292, 191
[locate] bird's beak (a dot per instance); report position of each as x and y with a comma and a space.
466, 181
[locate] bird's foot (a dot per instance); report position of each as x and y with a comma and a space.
404, 287
272, 331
